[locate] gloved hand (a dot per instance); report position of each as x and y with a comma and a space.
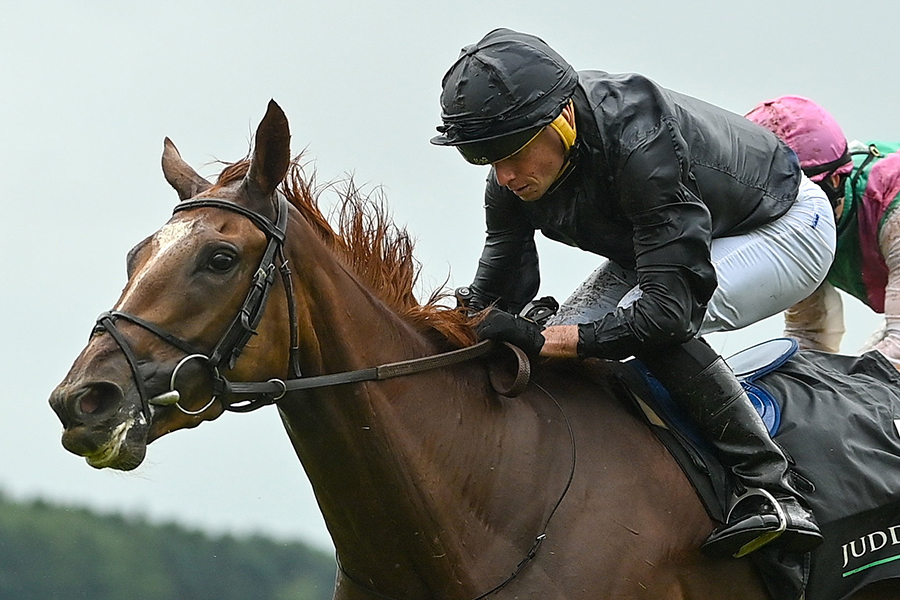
502, 326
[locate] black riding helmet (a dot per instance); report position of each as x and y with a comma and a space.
500, 93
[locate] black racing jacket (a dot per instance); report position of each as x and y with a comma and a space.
655, 176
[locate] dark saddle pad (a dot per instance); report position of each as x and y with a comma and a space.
838, 419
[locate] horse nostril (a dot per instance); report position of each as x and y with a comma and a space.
89, 403
96, 397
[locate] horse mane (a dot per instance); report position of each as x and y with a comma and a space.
368, 242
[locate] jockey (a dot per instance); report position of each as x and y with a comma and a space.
706, 220
863, 183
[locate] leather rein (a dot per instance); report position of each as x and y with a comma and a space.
243, 326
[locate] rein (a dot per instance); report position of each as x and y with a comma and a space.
274, 389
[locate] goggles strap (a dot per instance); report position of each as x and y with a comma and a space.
566, 132
523, 146
829, 167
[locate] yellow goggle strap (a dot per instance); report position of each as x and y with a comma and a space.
567, 135
566, 132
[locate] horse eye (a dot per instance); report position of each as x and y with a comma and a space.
222, 261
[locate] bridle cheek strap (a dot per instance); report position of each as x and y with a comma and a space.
245, 322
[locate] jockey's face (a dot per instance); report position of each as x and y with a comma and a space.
531, 171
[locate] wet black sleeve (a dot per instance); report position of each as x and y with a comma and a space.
672, 236
508, 273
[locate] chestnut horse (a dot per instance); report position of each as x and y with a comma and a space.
432, 484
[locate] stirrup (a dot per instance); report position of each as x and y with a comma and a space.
767, 537
751, 532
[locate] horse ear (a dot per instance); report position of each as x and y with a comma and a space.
186, 181
271, 153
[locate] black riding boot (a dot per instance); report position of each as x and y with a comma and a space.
770, 508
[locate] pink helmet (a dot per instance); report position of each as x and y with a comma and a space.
810, 131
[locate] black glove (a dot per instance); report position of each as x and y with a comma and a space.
502, 326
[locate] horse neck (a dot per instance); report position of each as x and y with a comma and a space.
391, 466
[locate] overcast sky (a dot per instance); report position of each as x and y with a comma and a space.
89, 89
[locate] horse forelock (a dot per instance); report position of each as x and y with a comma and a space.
367, 241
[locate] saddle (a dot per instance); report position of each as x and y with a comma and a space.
838, 419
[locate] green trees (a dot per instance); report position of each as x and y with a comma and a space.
55, 553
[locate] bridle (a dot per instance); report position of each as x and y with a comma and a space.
229, 347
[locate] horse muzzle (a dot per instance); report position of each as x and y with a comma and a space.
98, 425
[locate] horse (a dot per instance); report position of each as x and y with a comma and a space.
432, 483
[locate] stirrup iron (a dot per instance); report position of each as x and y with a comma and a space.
767, 537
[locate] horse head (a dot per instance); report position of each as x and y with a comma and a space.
151, 363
